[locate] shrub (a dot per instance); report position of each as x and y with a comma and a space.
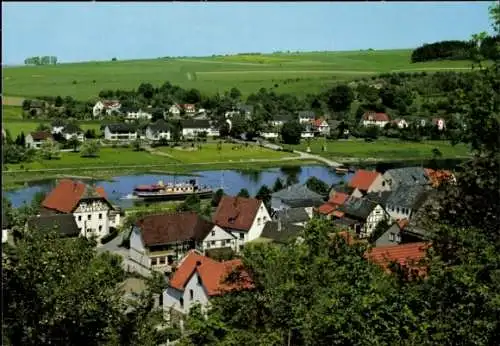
113, 232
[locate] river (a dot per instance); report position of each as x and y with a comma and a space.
232, 182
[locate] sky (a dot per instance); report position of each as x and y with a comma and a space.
100, 31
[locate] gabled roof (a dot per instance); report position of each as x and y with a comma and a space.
213, 274
110, 103
292, 215
195, 124
306, 114
319, 122
161, 229
72, 128
280, 234
343, 188
362, 179
408, 196
338, 198
40, 135
121, 128
402, 254
283, 117
58, 122
372, 116
297, 192
327, 208
358, 208
159, 125
64, 223
236, 213
380, 197
65, 197
407, 176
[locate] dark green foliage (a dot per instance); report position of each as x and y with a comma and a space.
318, 186
216, 197
291, 132
113, 232
452, 50
244, 193
278, 185
264, 194
339, 98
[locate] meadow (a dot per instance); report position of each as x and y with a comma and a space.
13, 121
382, 149
228, 153
295, 73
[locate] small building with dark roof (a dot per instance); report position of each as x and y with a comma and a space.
34, 140
405, 176
193, 127
280, 119
120, 132
65, 224
365, 212
160, 129
296, 196
279, 232
406, 199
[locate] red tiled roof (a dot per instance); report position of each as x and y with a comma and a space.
213, 274
402, 254
236, 212
327, 208
65, 196
437, 177
363, 179
167, 228
40, 135
318, 122
338, 198
375, 116
338, 213
110, 103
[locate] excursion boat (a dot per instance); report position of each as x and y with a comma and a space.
168, 192
341, 170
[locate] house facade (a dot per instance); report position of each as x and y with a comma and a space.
158, 130
158, 241
406, 199
175, 110
244, 218
439, 123
34, 140
321, 126
306, 117
138, 115
72, 131
364, 182
400, 123
192, 128
375, 119
88, 205
120, 132
361, 215
189, 108
106, 106
196, 281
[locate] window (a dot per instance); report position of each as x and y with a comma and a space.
208, 244
100, 228
199, 280
153, 261
242, 236
79, 229
191, 294
391, 236
213, 242
213, 233
170, 259
100, 216
161, 260
258, 221
383, 183
89, 216
397, 210
79, 218
398, 238
181, 301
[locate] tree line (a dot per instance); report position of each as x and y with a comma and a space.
41, 60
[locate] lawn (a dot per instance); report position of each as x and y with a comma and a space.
229, 152
296, 73
13, 121
383, 149
108, 157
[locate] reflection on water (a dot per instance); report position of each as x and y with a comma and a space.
232, 181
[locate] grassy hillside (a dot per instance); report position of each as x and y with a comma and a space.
293, 73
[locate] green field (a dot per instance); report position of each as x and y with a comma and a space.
382, 149
298, 73
209, 153
13, 121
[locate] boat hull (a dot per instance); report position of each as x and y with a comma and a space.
171, 196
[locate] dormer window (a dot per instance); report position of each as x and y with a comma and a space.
232, 220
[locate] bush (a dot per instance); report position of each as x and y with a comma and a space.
113, 232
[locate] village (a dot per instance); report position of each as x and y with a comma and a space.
196, 253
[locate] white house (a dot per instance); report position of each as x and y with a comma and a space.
306, 117
364, 182
158, 241
120, 132
89, 206
107, 106
244, 218
72, 131
307, 133
375, 119
321, 126
189, 108
175, 110
400, 123
57, 126
361, 215
160, 129
439, 123
137, 115
196, 281
280, 120
269, 134
192, 127
405, 200
6, 226
34, 140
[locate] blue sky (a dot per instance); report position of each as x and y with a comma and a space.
100, 31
